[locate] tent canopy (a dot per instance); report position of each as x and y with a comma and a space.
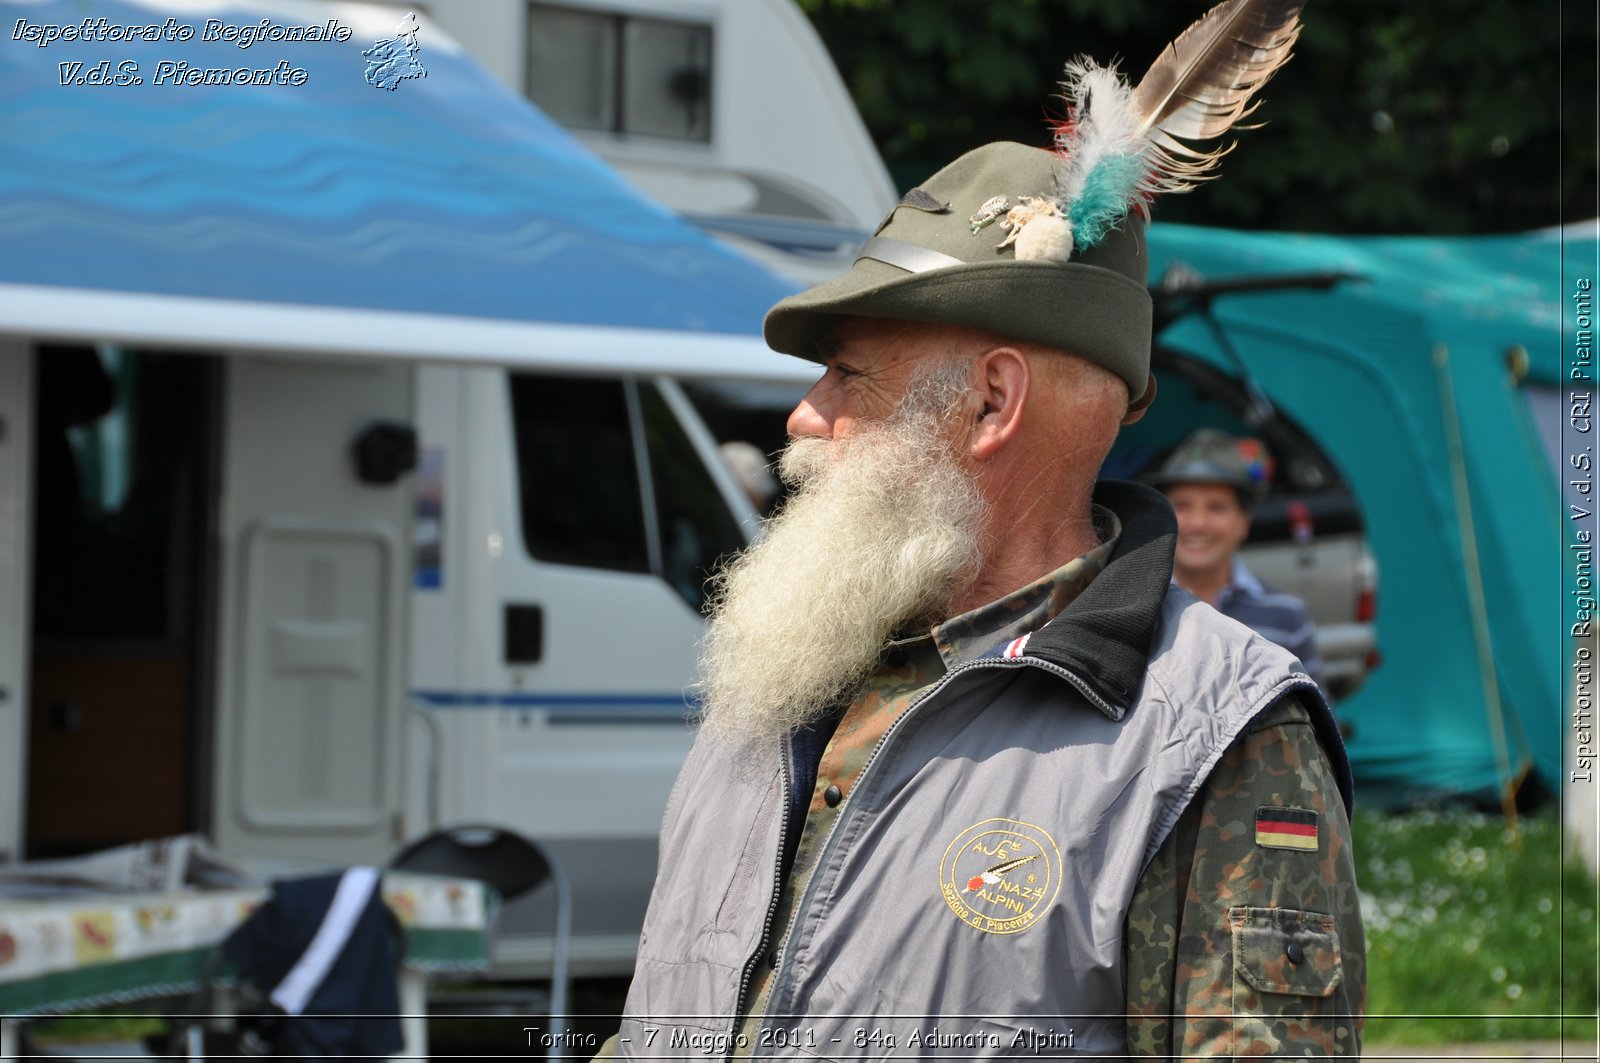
1429, 383
447, 197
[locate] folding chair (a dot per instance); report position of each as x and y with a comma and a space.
513, 865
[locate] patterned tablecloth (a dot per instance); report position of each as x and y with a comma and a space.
91, 950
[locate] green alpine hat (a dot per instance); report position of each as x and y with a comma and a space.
1211, 456
963, 249
1068, 267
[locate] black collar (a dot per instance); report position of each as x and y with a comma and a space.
1105, 635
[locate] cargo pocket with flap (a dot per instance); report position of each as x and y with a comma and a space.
1287, 983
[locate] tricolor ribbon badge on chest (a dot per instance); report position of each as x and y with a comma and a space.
1286, 828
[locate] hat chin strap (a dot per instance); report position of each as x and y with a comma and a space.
913, 258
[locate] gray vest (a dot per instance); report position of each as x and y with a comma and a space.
970, 901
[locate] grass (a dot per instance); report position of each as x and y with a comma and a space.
1475, 933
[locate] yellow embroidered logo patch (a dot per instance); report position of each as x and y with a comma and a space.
1000, 875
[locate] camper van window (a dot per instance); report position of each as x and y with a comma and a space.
572, 66
667, 79
748, 411
577, 474
620, 74
696, 526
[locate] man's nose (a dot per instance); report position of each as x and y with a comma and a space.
807, 420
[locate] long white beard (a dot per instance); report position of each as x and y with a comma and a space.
883, 529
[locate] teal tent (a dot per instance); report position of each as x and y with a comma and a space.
1435, 383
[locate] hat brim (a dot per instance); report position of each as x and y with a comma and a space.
1161, 481
1090, 311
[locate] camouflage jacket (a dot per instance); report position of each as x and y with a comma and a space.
1201, 982
1148, 937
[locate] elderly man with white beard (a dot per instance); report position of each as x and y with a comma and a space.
975, 779
901, 461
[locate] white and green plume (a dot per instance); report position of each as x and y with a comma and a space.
1122, 146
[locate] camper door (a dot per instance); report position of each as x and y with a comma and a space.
310, 685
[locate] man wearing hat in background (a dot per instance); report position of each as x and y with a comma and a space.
973, 778
1213, 485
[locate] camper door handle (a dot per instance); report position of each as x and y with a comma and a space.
524, 633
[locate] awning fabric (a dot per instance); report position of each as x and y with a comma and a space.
447, 194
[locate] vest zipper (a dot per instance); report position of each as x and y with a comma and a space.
784, 772
866, 770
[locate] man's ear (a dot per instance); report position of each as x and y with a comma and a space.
1001, 378
1137, 407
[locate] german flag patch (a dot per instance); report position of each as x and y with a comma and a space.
1286, 828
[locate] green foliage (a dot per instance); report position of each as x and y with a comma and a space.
1395, 116
1472, 933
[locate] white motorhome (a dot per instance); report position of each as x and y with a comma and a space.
728, 111
249, 621
229, 599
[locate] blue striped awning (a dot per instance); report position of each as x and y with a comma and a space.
446, 194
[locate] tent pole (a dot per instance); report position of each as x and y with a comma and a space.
1474, 574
